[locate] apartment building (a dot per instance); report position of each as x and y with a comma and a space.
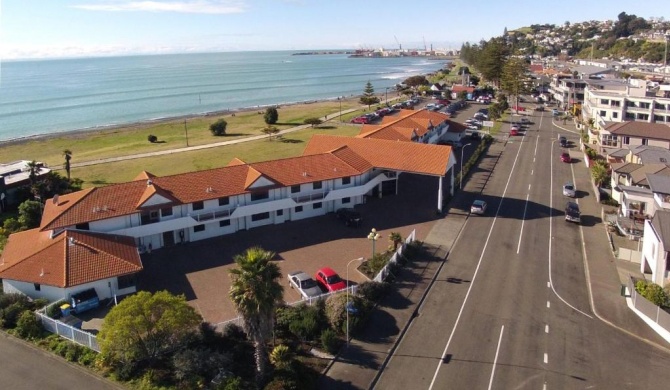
98, 233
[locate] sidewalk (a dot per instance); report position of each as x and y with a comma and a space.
605, 273
358, 365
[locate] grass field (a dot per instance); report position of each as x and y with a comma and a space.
130, 140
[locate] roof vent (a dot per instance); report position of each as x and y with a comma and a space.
42, 273
71, 241
149, 182
55, 199
209, 189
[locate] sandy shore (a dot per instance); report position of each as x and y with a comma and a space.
83, 133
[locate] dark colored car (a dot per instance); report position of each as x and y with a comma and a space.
350, 216
563, 141
572, 213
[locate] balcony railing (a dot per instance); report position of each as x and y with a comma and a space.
203, 217
310, 197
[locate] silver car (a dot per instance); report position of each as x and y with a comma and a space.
478, 207
304, 284
569, 190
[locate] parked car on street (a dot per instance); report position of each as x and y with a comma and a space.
360, 120
514, 131
306, 286
572, 213
330, 280
555, 112
569, 190
478, 207
350, 216
563, 141
565, 157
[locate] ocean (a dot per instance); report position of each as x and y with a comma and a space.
50, 96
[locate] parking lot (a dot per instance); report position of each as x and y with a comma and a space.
199, 270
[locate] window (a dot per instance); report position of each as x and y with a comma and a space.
298, 209
626, 140
225, 201
317, 205
603, 113
82, 226
295, 189
346, 180
604, 101
615, 115
260, 216
643, 117
148, 217
630, 116
198, 228
346, 200
224, 223
259, 195
645, 141
317, 185
659, 118
280, 213
645, 105
616, 103
659, 106
126, 281
166, 212
38, 287
198, 205
630, 104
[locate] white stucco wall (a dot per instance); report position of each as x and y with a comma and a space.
52, 293
653, 253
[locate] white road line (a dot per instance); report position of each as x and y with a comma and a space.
546, 358
532, 171
495, 360
546, 328
523, 221
474, 276
548, 284
548, 304
551, 228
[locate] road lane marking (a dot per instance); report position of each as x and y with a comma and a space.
548, 284
546, 328
532, 171
546, 358
548, 304
523, 221
495, 360
551, 230
474, 276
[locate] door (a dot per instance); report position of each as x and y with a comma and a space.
168, 239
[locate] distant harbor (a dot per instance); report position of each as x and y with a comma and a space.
311, 53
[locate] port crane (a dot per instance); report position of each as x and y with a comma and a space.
398, 42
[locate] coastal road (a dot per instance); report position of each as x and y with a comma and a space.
510, 308
24, 367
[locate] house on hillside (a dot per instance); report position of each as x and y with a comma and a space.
656, 248
94, 237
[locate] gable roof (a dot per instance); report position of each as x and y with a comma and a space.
659, 183
461, 88
400, 156
69, 259
404, 125
656, 131
661, 223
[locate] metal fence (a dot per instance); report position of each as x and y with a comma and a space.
68, 332
384, 272
648, 309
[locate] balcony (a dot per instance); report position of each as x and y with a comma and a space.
212, 215
310, 197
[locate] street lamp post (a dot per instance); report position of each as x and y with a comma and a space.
346, 307
460, 182
387, 96
186, 131
339, 98
374, 236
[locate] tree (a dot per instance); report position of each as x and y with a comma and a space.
270, 131
67, 153
145, 327
415, 81
256, 292
271, 115
462, 95
218, 128
495, 111
395, 239
313, 121
30, 214
369, 97
514, 78
599, 172
152, 138
34, 168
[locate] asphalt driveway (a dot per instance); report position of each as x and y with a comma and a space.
199, 270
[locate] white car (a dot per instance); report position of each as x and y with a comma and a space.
305, 285
569, 190
478, 207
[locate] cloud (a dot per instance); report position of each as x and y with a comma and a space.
184, 6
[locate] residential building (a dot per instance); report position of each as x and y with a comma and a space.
631, 176
422, 126
632, 134
15, 175
655, 248
97, 233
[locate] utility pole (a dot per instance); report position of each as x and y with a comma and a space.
186, 131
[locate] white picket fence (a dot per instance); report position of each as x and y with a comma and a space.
384, 272
68, 332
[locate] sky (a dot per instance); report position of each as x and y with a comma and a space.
84, 28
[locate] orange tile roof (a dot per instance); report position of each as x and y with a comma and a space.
144, 175
236, 161
395, 155
408, 123
69, 259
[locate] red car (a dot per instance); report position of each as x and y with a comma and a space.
329, 279
519, 108
513, 132
361, 120
565, 157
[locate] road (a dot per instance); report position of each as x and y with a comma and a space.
510, 308
24, 367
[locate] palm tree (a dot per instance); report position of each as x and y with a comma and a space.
395, 239
256, 292
67, 153
34, 170
599, 172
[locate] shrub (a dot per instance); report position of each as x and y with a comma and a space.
218, 128
307, 322
152, 138
53, 311
312, 121
10, 315
271, 115
330, 341
337, 316
281, 356
373, 291
652, 292
377, 262
28, 326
